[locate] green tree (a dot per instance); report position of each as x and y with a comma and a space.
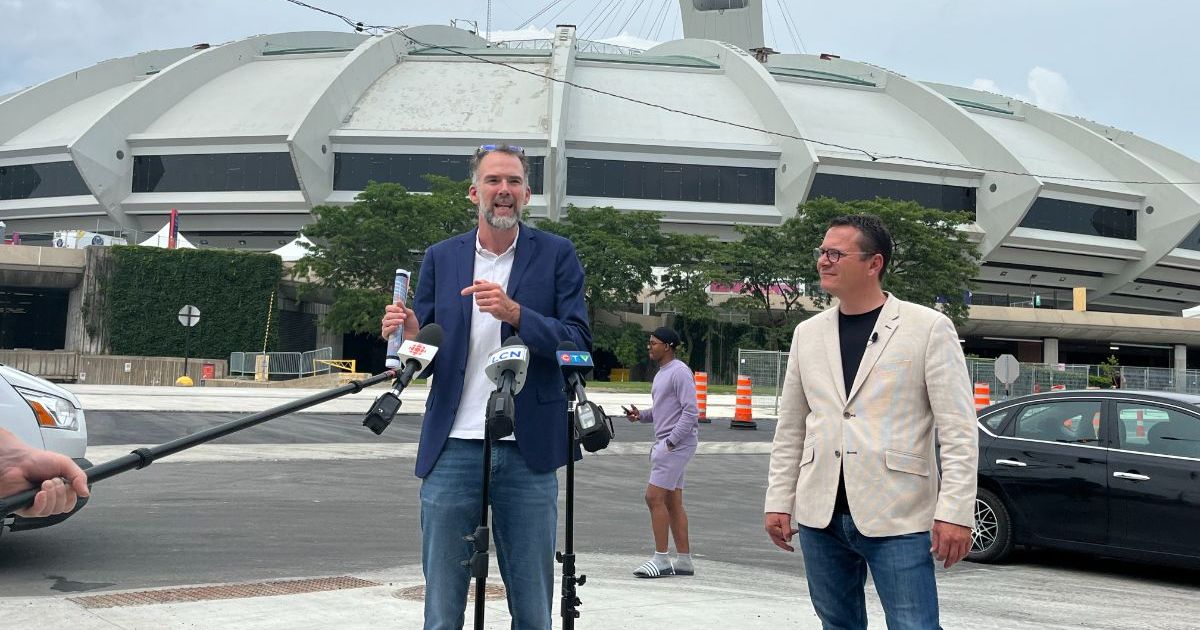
359, 247
933, 262
772, 266
691, 262
617, 250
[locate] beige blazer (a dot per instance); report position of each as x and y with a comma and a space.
912, 382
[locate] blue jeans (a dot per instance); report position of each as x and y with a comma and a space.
524, 517
836, 560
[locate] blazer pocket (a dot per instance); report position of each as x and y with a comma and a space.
900, 461
807, 456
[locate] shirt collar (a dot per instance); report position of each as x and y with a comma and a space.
483, 251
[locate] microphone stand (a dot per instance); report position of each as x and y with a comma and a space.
143, 457
480, 538
570, 599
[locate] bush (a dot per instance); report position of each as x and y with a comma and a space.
147, 286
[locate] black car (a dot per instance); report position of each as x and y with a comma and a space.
1109, 472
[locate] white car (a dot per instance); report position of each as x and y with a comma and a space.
44, 416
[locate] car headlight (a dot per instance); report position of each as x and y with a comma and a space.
50, 410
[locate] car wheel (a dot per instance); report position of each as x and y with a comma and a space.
992, 538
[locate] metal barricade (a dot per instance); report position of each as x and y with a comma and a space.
766, 370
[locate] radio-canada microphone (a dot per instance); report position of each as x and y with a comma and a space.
507, 368
415, 355
592, 426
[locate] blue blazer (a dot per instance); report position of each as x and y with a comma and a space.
547, 281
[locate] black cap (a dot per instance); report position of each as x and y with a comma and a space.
666, 335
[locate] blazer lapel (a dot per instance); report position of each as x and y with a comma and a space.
833, 350
465, 273
526, 250
885, 327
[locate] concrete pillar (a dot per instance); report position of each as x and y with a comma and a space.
1050, 350
1180, 367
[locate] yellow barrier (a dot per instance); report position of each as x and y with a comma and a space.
346, 365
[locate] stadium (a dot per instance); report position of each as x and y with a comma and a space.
711, 130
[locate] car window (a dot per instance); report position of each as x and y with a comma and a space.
1149, 428
995, 421
1071, 421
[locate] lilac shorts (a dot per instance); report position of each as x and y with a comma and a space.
667, 467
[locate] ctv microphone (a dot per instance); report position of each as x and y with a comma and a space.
399, 295
506, 368
415, 355
576, 365
592, 426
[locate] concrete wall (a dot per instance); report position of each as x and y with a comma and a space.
66, 366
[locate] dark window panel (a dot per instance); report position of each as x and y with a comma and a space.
216, 172
690, 190
850, 188
1081, 218
352, 171
1192, 241
35, 181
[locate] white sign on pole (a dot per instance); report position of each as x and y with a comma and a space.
1007, 369
189, 315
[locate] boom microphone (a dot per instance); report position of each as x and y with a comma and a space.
414, 355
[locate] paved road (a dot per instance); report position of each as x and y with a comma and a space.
251, 510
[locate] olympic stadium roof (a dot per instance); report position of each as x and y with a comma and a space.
244, 138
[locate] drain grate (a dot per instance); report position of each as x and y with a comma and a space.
225, 591
490, 592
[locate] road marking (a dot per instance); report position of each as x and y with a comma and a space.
206, 453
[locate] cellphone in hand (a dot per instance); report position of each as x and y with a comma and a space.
626, 410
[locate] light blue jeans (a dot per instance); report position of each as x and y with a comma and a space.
523, 515
836, 560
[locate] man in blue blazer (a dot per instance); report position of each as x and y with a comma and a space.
500, 279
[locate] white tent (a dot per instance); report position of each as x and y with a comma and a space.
294, 250
162, 236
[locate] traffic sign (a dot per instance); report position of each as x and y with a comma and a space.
1007, 369
189, 315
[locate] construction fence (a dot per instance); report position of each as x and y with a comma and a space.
281, 365
767, 368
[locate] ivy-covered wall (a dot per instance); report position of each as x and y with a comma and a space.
147, 286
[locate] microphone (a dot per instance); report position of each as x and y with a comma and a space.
576, 367
414, 355
873, 339
507, 368
592, 426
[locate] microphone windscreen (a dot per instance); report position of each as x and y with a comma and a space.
567, 346
514, 340
430, 335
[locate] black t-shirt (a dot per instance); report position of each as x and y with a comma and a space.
854, 331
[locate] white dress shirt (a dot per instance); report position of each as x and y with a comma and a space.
485, 339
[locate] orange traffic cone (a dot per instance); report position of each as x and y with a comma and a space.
743, 417
702, 396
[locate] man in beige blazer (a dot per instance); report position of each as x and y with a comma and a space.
869, 383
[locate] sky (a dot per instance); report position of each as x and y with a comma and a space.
1123, 63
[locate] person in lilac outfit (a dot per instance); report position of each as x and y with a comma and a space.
674, 414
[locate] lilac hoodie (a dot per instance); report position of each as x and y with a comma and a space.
674, 412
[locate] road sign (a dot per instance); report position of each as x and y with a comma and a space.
189, 315
1007, 369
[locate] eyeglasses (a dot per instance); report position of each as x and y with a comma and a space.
508, 148
834, 255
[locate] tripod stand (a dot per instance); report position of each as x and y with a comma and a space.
570, 599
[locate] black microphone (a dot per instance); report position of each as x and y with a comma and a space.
873, 339
576, 367
415, 355
506, 368
592, 426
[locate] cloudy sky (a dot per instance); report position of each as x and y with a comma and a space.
1127, 63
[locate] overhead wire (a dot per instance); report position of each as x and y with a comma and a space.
870, 155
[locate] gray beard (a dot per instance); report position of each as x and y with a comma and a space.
500, 223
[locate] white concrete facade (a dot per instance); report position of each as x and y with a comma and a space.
434, 90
